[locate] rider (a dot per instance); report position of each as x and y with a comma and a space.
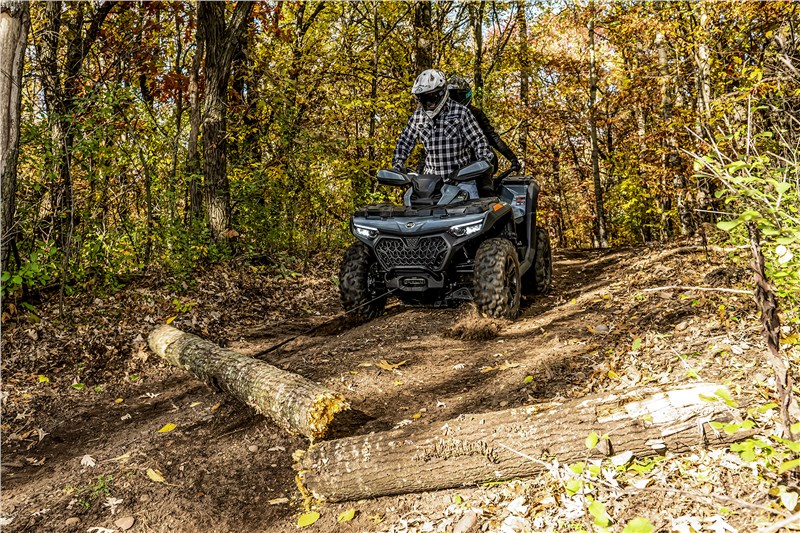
451, 136
460, 91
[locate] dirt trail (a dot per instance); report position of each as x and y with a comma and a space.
226, 469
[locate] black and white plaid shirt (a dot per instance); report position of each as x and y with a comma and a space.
447, 139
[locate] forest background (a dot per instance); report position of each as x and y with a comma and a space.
173, 135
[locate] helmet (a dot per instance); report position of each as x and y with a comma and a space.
459, 89
430, 88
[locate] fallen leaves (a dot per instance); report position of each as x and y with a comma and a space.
384, 364
167, 428
346, 516
306, 519
505, 365
155, 475
87, 460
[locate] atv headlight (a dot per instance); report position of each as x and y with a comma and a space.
463, 230
365, 231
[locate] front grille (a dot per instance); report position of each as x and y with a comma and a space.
428, 252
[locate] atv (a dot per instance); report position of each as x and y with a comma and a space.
441, 248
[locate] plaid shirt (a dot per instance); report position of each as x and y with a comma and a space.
447, 139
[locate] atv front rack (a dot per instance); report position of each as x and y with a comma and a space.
470, 207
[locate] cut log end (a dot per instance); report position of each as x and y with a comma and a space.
322, 410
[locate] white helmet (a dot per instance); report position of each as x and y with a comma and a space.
430, 88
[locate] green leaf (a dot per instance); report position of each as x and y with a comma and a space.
346, 516
306, 519
788, 465
577, 468
527, 379
573, 486
637, 343
6, 276
782, 187
592, 440
598, 511
638, 525
78, 386
728, 225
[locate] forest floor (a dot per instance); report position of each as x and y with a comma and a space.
84, 399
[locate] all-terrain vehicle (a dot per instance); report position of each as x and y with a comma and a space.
440, 248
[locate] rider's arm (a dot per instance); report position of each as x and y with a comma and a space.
476, 139
405, 144
495, 141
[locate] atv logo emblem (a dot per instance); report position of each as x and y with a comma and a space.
412, 243
410, 224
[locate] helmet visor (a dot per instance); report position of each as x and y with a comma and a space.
430, 100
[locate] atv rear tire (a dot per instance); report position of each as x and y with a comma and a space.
359, 290
538, 278
497, 281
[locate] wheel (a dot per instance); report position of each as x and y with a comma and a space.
360, 290
497, 280
538, 278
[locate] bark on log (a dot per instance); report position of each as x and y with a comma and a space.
291, 401
487, 447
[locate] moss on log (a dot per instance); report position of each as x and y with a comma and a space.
514, 443
291, 401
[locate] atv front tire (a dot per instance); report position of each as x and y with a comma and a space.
497, 281
538, 278
359, 289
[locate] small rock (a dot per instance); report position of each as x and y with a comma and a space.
73, 521
682, 326
125, 523
252, 448
144, 498
467, 522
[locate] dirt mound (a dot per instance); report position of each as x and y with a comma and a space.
473, 326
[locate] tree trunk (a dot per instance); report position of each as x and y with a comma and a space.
515, 443
220, 43
14, 23
524, 80
476, 22
193, 165
600, 239
423, 49
672, 159
291, 401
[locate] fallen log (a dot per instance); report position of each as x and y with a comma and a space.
514, 443
291, 401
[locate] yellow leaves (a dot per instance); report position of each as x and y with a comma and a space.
167, 428
43, 379
306, 519
170, 319
384, 364
505, 365
119, 400
155, 475
346, 516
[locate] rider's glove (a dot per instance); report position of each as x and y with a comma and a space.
515, 165
399, 167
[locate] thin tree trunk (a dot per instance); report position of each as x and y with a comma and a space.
14, 23
601, 239
291, 401
193, 166
423, 47
476, 20
515, 443
524, 79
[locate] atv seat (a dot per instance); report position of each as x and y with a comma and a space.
426, 189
